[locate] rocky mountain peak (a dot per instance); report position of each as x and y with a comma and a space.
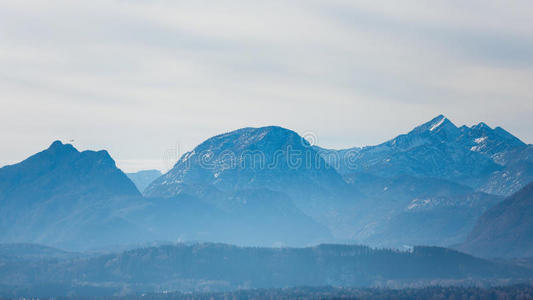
439, 123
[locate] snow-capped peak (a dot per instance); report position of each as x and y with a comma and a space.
437, 123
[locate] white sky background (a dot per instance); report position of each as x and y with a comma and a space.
139, 77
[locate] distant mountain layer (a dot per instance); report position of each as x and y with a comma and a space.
143, 178
212, 267
505, 230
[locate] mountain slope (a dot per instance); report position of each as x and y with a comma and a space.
506, 230
517, 172
407, 210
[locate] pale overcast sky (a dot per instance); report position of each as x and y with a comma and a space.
138, 77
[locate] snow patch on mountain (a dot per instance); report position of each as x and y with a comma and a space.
438, 123
480, 140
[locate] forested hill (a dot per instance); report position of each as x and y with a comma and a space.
219, 267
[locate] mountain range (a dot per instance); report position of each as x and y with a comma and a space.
268, 186
80, 200
439, 175
486, 159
